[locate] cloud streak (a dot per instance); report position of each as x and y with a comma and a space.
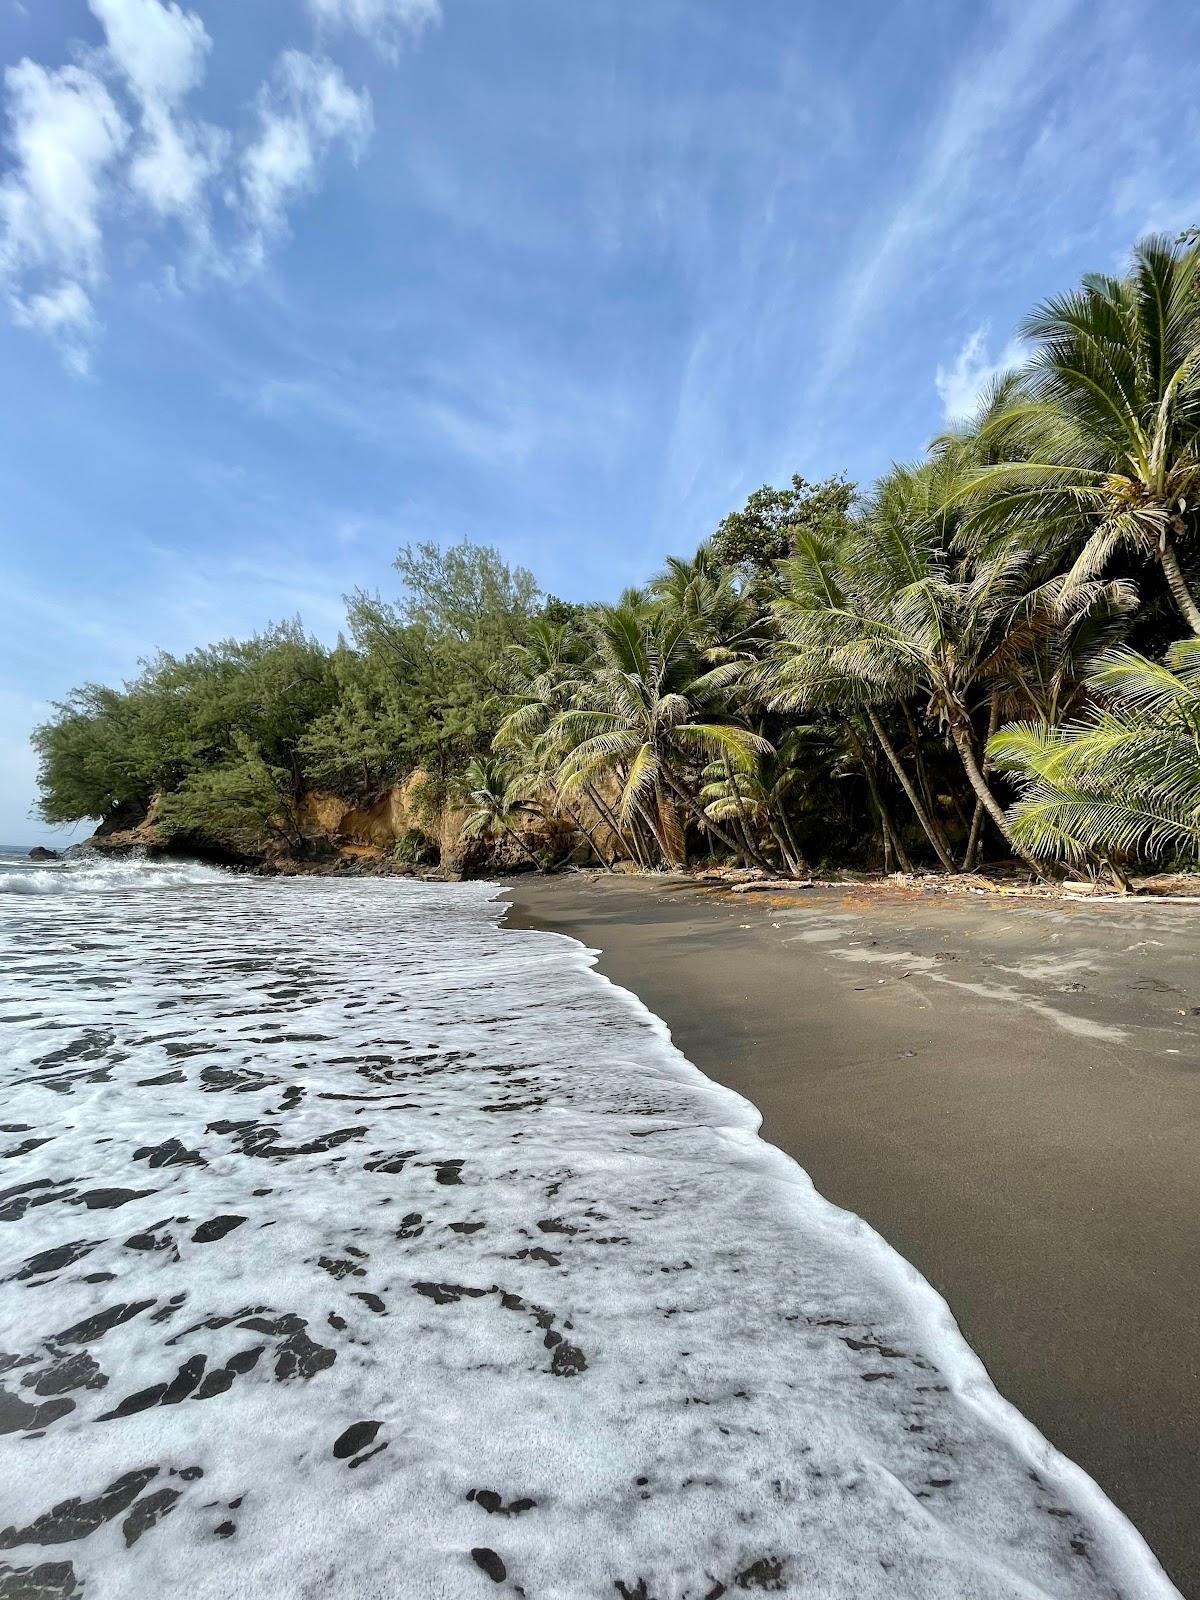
160, 54
66, 134
999, 81
385, 24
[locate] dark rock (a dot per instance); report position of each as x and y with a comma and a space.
40, 853
151, 1508
49, 1580
488, 1561
216, 1228
77, 1518
356, 1437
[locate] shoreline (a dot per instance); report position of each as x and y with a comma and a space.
1004, 1088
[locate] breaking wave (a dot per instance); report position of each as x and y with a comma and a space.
88, 875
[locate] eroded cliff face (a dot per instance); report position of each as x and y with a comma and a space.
397, 829
395, 817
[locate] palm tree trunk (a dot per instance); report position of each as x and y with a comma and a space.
788, 858
647, 840
577, 818
520, 843
1119, 876
973, 837
705, 821
653, 829
670, 831
602, 809
802, 867
752, 853
891, 836
960, 731
1184, 597
914, 734
742, 834
636, 824
977, 819
914, 799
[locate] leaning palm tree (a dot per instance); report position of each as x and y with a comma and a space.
1101, 445
551, 678
727, 629
1123, 781
495, 805
649, 721
755, 794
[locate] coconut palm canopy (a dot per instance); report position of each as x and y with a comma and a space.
1098, 438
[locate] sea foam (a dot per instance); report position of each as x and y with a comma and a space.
89, 875
352, 1244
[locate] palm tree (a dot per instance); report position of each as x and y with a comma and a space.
551, 679
1101, 445
647, 722
817, 618
757, 794
725, 627
1122, 781
720, 618
495, 805
548, 675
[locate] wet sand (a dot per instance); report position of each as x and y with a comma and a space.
1008, 1091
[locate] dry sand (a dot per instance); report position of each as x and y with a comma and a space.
1008, 1091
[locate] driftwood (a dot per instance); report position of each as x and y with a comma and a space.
772, 886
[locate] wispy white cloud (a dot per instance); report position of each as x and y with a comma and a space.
962, 385
160, 52
384, 23
159, 48
111, 141
65, 314
304, 110
66, 133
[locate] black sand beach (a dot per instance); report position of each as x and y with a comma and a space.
1009, 1091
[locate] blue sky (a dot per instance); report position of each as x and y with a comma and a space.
283, 285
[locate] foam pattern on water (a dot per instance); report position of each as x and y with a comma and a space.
352, 1245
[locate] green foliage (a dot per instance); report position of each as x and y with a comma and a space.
1098, 447
764, 530
413, 848
494, 807
466, 591
1122, 781
88, 762
180, 717
242, 806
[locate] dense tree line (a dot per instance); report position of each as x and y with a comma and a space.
996, 647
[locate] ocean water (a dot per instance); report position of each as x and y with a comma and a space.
352, 1245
